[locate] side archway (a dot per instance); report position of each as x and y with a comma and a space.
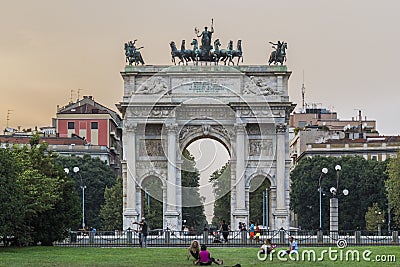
259, 189
152, 198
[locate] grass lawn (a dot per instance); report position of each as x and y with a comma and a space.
176, 257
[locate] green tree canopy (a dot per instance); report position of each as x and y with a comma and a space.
393, 185
363, 178
221, 180
258, 186
37, 202
374, 217
192, 202
96, 176
111, 211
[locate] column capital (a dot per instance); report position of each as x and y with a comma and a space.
171, 127
130, 126
281, 128
240, 127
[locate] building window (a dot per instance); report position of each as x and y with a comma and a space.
94, 125
71, 125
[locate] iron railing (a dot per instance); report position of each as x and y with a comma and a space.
169, 238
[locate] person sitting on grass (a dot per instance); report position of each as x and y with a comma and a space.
293, 246
205, 257
194, 250
267, 247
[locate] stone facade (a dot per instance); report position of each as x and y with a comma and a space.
246, 108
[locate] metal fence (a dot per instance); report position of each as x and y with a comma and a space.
169, 238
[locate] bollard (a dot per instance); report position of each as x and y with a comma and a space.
73, 236
129, 236
395, 236
357, 237
282, 237
91, 237
205, 237
167, 237
244, 236
320, 236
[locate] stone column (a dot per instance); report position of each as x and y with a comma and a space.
130, 213
179, 192
334, 218
164, 201
281, 212
172, 215
240, 213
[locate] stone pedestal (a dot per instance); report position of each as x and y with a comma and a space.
334, 218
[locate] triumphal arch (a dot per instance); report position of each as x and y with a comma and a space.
245, 108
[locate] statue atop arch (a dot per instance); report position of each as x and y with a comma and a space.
204, 51
279, 55
133, 54
206, 37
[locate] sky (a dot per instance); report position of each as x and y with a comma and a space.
347, 49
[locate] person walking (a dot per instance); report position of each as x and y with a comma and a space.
224, 230
251, 230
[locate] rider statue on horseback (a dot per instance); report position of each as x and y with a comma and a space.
133, 54
278, 49
279, 55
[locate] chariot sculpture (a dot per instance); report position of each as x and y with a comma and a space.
206, 52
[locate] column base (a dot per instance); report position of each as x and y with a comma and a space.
129, 217
239, 216
281, 220
171, 221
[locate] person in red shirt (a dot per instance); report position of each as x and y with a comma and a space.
206, 259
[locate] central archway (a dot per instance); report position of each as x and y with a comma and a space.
211, 157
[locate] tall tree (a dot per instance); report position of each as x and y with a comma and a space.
152, 207
192, 202
393, 185
363, 178
37, 189
53, 222
374, 218
12, 207
96, 176
111, 211
258, 185
221, 180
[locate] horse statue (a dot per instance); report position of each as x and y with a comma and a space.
176, 53
196, 50
133, 54
219, 54
238, 52
229, 54
279, 55
187, 54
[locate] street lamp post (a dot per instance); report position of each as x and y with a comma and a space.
334, 203
83, 187
324, 171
